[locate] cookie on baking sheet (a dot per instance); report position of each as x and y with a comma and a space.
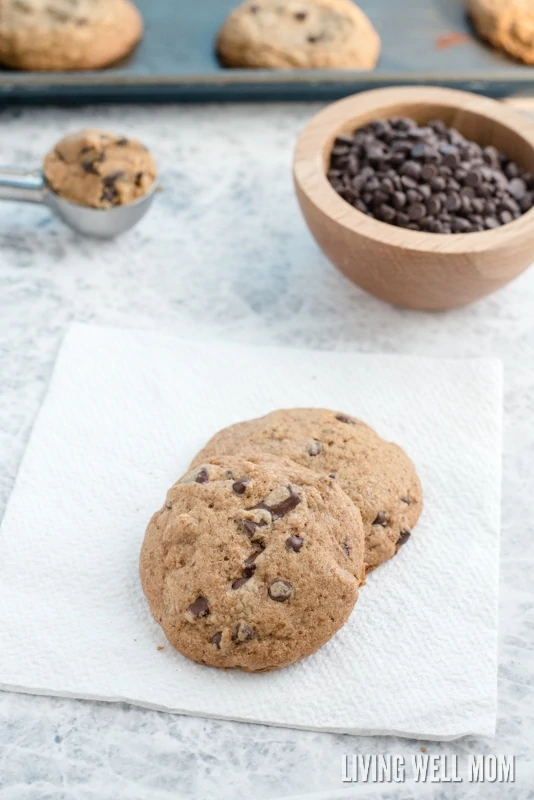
377, 475
508, 25
99, 170
67, 34
252, 562
302, 34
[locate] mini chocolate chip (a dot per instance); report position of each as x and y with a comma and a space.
387, 213
429, 171
473, 179
411, 168
202, 476
398, 200
250, 527
254, 9
344, 418
505, 217
216, 640
243, 633
403, 538
314, 447
122, 142
332, 475
240, 487
294, 543
416, 211
347, 548
381, 519
433, 205
517, 188
239, 582
406, 500
139, 179
453, 202
280, 591
248, 572
200, 607
300, 15
313, 39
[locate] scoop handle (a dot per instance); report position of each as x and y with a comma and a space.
22, 185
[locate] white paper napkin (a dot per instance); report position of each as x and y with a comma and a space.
125, 413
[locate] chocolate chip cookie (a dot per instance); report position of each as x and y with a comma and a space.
67, 34
377, 475
99, 170
508, 26
252, 562
302, 34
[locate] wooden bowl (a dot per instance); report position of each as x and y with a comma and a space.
411, 268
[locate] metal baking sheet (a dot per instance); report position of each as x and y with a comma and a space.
423, 42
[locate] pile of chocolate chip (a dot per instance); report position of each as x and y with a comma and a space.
428, 178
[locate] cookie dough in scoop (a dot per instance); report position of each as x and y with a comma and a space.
99, 170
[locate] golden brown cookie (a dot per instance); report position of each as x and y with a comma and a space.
377, 475
99, 170
507, 25
67, 34
252, 562
301, 34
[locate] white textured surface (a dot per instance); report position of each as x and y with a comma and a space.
225, 253
125, 414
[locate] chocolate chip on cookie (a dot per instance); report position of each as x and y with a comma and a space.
243, 633
314, 447
200, 607
403, 538
381, 519
249, 563
344, 418
294, 543
250, 527
280, 591
240, 487
240, 582
280, 502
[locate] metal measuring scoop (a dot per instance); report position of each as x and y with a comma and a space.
30, 186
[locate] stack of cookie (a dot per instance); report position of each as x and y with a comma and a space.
257, 556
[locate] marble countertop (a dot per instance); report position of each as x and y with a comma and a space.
225, 253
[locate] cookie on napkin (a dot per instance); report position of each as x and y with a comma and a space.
252, 562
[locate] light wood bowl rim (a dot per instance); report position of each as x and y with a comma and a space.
311, 180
